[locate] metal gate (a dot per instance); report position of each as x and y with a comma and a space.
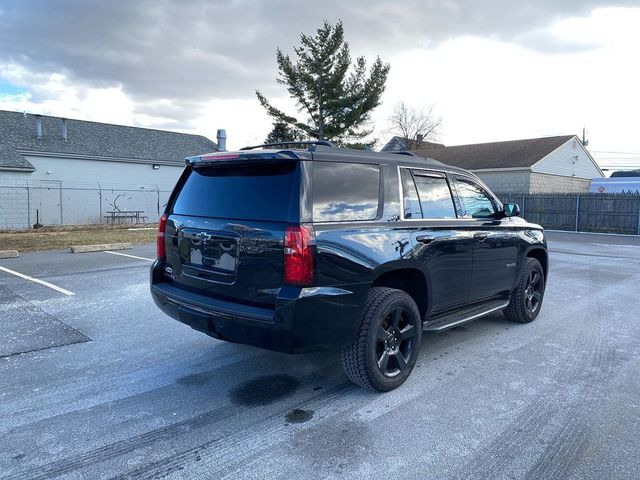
47, 202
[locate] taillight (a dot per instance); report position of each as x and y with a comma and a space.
161, 251
298, 255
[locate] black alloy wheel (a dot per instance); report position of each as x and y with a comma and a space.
533, 294
526, 299
395, 342
385, 351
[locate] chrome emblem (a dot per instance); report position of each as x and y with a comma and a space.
204, 236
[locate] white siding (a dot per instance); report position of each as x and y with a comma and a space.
72, 171
9, 177
568, 160
77, 191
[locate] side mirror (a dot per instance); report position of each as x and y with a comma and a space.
511, 210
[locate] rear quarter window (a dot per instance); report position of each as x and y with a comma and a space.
345, 191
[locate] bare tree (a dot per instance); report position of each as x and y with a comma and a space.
414, 125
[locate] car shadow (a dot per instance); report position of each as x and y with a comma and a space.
265, 378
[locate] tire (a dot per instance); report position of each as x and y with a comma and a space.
386, 349
526, 300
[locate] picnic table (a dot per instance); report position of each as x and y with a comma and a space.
125, 216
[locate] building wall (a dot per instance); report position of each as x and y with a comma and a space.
74, 171
522, 181
543, 183
510, 181
569, 160
73, 191
10, 177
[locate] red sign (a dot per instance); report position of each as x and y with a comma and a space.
601, 189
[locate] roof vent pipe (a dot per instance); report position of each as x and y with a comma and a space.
222, 139
63, 129
39, 127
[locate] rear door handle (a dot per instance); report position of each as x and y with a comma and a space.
481, 237
424, 239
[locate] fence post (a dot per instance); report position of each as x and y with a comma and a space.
524, 197
638, 216
577, 211
28, 207
61, 217
100, 198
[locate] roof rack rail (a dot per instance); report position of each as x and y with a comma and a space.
281, 144
405, 152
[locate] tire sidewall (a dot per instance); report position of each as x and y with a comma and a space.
378, 379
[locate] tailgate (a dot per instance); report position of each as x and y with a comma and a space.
225, 230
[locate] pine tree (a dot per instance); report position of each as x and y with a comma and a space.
282, 132
335, 96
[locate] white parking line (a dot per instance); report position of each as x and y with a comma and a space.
130, 256
41, 282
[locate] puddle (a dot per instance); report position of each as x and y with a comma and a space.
194, 379
264, 390
299, 416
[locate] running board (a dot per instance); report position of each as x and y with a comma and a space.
458, 318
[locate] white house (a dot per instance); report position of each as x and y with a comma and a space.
64, 171
537, 165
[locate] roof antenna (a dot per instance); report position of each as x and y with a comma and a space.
585, 142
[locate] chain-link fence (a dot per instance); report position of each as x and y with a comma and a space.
588, 212
52, 203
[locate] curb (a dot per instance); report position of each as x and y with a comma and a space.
100, 247
9, 254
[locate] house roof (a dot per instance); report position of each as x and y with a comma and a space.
511, 154
92, 139
398, 144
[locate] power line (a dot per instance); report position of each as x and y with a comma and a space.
619, 153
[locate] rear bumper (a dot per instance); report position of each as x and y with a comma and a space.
303, 320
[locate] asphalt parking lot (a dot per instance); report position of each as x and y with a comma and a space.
107, 386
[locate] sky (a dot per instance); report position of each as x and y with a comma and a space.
494, 70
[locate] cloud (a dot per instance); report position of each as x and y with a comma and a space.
193, 66
163, 54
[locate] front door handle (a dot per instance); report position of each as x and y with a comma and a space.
424, 239
481, 237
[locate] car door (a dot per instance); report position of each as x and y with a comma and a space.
443, 251
495, 246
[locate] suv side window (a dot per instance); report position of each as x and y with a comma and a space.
435, 196
475, 200
345, 191
410, 198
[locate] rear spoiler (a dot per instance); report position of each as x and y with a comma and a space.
220, 158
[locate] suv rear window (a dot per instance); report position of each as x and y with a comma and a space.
243, 192
345, 191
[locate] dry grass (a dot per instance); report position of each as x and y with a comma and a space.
54, 238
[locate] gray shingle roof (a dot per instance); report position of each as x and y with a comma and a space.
398, 144
515, 153
18, 133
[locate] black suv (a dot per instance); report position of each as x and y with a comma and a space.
306, 247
